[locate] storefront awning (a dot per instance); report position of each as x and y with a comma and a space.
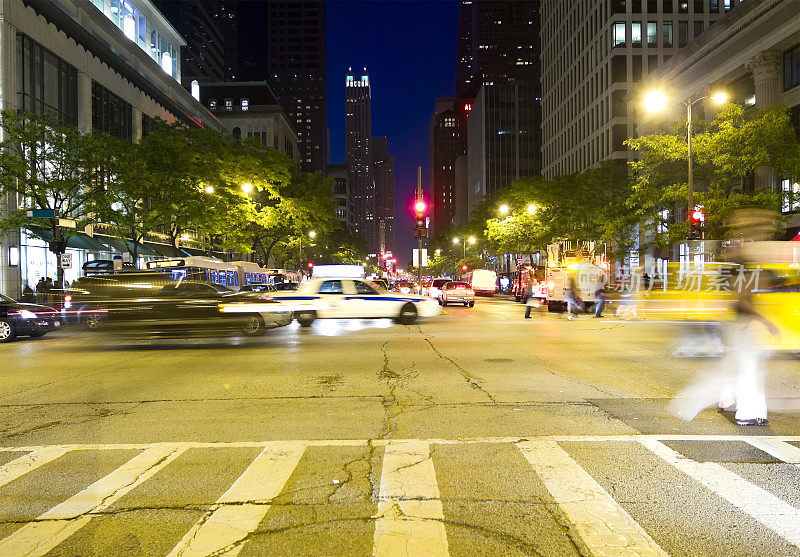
165, 250
194, 251
82, 241
115, 244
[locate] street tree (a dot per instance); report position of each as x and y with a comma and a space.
728, 153
47, 166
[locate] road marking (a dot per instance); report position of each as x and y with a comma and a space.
410, 514
241, 509
56, 525
779, 449
601, 523
751, 499
29, 462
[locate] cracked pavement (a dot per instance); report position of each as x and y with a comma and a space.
471, 373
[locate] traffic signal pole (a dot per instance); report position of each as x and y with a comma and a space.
419, 251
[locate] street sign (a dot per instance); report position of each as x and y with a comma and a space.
519, 261
65, 261
415, 258
67, 223
40, 213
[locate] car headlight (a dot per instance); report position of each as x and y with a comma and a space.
25, 314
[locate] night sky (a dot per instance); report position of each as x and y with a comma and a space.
409, 50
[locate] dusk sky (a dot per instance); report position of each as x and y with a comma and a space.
409, 50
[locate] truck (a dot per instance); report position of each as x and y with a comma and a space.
583, 262
483, 281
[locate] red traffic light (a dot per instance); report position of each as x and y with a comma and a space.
463, 267
310, 264
698, 216
420, 206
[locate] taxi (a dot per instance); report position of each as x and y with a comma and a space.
346, 298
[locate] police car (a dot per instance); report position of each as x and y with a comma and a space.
345, 298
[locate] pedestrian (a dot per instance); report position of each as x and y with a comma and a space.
599, 301
529, 300
27, 294
573, 298
646, 280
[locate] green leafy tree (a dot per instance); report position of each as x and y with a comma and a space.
727, 152
47, 166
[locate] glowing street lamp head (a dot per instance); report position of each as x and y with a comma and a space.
209, 189
531, 209
312, 234
456, 240
504, 209
472, 239
247, 187
720, 97
655, 101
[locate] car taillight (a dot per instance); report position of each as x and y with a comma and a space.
266, 297
67, 298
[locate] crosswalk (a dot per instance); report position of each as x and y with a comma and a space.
414, 493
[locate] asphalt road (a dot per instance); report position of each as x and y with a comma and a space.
477, 432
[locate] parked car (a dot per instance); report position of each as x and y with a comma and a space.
22, 319
457, 293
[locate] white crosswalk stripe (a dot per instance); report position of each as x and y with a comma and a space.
410, 517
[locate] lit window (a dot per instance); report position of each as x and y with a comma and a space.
212, 104
245, 105
619, 33
228, 104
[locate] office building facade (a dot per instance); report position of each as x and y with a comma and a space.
593, 55
358, 127
298, 73
382, 170
99, 65
340, 191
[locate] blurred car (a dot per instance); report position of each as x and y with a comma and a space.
343, 298
283, 286
457, 293
381, 283
22, 319
404, 287
436, 286
151, 303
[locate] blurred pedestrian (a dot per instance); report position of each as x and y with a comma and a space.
599, 301
27, 294
573, 298
529, 301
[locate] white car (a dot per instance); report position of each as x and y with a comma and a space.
436, 286
344, 298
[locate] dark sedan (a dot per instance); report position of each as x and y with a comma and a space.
20, 319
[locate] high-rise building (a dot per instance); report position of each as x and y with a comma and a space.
298, 73
340, 191
382, 169
358, 126
498, 42
593, 54
447, 141
504, 137
202, 58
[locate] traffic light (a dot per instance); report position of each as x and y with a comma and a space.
464, 267
696, 220
310, 265
420, 227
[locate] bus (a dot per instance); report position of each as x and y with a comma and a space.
251, 273
205, 269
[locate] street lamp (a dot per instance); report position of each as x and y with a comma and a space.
655, 101
209, 189
531, 209
311, 234
247, 187
503, 209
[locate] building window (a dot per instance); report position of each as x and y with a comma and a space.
727, 4
683, 6
618, 6
245, 105
652, 33
45, 82
212, 104
683, 33
636, 33
636, 6
667, 6
652, 6
713, 6
228, 104
791, 68
110, 114
667, 34
698, 6
619, 33
791, 196
237, 133
698, 28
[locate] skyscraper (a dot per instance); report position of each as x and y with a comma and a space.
358, 126
203, 57
382, 170
298, 73
498, 42
593, 54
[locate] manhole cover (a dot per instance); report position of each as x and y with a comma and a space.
499, 360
